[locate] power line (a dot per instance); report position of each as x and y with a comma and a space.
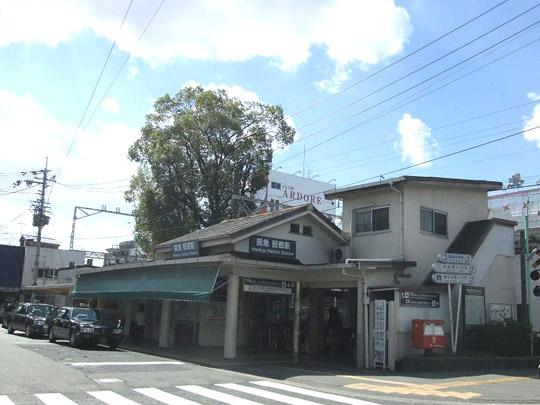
400, 59
466, 44
404, 91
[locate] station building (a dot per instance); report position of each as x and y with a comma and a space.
292, 281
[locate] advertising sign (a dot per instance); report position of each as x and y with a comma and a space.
272, 247
419, 299
452, 268
185, 249
379, 334
446, 278
500, 312
257, 285
456, 258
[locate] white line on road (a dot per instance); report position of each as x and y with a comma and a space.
55, 399
311, 393
112, 398
218, 396
4, 400
124, 363
267, 394
107, 380
164, 397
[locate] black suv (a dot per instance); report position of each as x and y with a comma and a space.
29, 318
83, 325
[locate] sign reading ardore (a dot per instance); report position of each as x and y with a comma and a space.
189, 248
272, 247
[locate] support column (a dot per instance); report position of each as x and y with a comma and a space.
231, 317
165, 323
296, 322
360, 315
127, 321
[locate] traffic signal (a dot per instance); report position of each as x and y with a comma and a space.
534, 262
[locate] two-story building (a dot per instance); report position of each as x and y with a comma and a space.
292, 281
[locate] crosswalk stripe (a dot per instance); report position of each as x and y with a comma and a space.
164, 397
218, 396
55, 399
267, 394
311, 393
4, 400
112, 398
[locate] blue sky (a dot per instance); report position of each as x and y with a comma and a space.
293, 54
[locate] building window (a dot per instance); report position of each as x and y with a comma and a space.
295, 228
306, 230
433, 221
274, 205
275, 185
372, 219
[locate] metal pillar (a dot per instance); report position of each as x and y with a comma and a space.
165, 323
296, 322
231, 316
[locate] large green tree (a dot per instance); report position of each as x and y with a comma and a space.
196, 150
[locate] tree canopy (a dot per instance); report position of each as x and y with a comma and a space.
196, 150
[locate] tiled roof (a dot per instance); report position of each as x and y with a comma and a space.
237, 226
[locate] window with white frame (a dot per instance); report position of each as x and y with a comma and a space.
371, 219
433, 221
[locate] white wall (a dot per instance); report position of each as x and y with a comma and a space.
48, 259
316, 249
461, 204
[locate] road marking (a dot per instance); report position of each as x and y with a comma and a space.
107, 380
217, 395
468, 383
55, 399
311, 393
124, 363
414, 389
4, 400
267, 394
112, 398
379, 380
164, 397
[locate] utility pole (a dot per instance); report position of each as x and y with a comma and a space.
41, 209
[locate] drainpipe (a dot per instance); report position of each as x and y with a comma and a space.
402, 219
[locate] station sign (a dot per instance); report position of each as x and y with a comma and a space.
447, 278
272, 247
456, 258
182, 250
419, 299
257, 285
453, 268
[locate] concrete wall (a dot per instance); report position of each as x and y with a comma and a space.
461, 204
48, 259
316, 249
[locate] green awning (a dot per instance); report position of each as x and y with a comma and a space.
167, 283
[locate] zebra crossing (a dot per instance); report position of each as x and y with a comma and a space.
249, 393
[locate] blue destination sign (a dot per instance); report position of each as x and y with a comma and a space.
181, 250
272, 247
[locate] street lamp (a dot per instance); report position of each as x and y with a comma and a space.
330, 181
298, 171
314, 176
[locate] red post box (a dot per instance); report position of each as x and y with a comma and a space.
428, 334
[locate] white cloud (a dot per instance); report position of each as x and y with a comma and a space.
133, 71
533, 121
533, 96
350, 31
110, 104
415, 140
233, 90
29, 134
333, 85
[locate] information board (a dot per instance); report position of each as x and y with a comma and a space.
189, 248
419, 299
475, 306
272, 247
257, 285
379, 334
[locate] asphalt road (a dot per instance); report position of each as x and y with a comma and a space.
34, 371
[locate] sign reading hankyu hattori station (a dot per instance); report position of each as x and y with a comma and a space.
272, 247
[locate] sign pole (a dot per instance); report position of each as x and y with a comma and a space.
457, 317
451, 317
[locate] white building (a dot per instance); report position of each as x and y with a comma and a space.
287, 190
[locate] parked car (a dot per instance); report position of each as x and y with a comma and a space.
28, 317
83, 326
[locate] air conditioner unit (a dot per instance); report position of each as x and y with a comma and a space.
340, 254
